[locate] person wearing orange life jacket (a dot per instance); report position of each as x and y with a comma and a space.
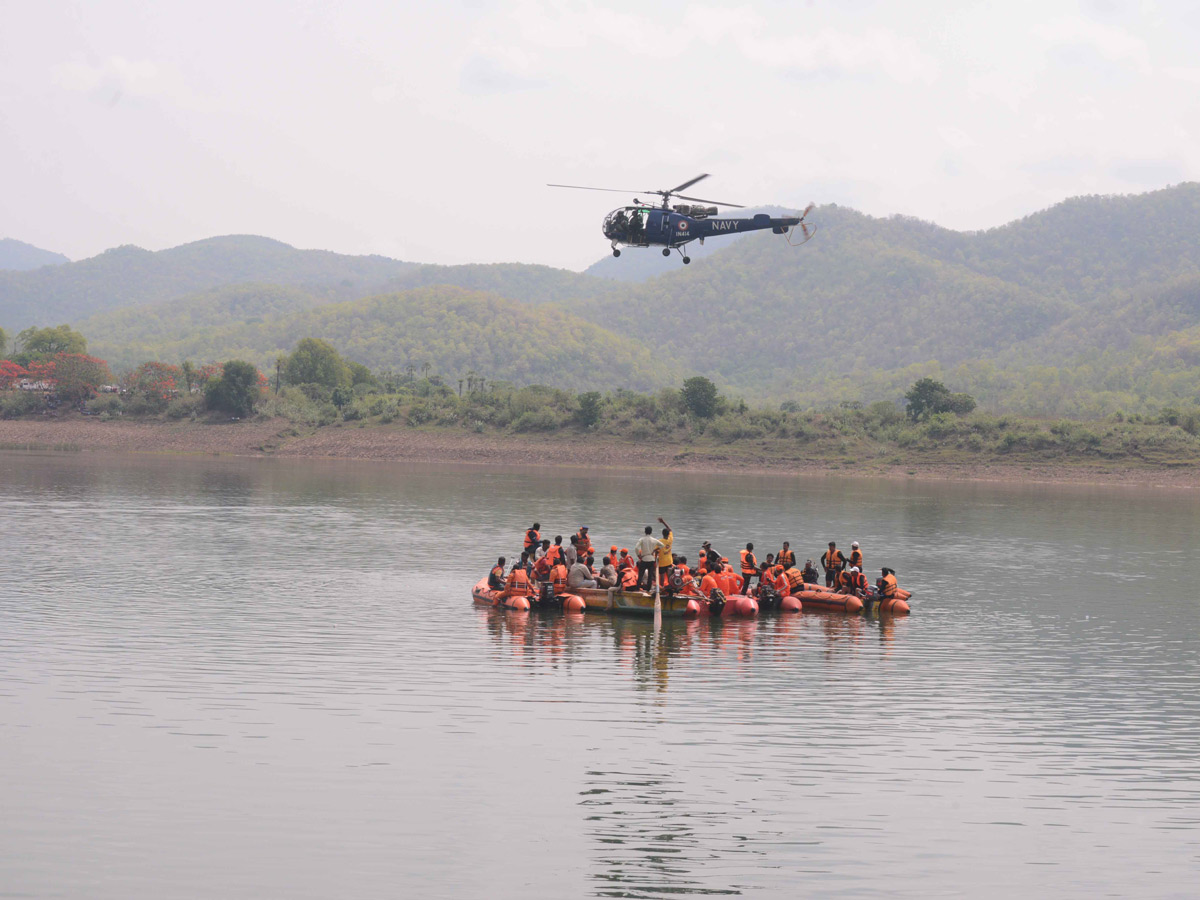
856, 557
887, 584
786, 556
583, 543
856, 582
626, 560
795, 580
629, 578
517, 584
496, 576
709, 583
749, 566
841, 582
533, 538
558, 578
832, 561
555, 552
541, 569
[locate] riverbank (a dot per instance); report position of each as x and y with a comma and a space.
278, 437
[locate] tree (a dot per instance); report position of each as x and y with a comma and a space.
3, 341
927, 397
188, 370
236, 390
700, 397
77, 375
589, 409
315, 361
39, 343
10, 372
156, 382
360, 374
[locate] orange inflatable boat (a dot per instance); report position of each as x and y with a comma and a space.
815, 596
485, 596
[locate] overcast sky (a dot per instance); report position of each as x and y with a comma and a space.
427, 131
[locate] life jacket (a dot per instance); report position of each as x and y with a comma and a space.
628, 577
888, 588
496, 577
517, 584
558, 578
554, 554
626, 562
832, 559
583, 543
708, 584
749, 563
857, 581
795, 578
532, 539
786, 558
541, 568
856, 559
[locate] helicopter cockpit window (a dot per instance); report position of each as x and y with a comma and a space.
627, 224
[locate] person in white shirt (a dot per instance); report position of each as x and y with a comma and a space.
580, 576
646, 550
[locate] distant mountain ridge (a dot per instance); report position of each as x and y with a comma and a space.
129, 276
20, 257
1091, 305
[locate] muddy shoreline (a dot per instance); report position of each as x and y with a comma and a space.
279, 438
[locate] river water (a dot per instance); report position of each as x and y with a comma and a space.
265, 678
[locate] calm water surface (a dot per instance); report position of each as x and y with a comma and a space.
245, 678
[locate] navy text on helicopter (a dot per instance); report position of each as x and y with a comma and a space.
674, 227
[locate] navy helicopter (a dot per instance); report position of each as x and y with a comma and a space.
674, 227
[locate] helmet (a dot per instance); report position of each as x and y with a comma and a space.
854, 570
854, 546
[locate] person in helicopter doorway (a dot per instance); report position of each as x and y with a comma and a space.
621, 225
635, 227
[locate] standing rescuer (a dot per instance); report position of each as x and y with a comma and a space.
533, 537
856, 557
646, 550
832, 561
749, 567
666, 559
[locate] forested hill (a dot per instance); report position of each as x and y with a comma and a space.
454, 330
18, 256
129, 276
1090, 306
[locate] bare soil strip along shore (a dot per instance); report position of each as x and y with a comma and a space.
279, 438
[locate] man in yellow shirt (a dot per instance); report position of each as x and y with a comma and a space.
665, 558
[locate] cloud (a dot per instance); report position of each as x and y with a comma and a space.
487, 74
1113, 44
117, 77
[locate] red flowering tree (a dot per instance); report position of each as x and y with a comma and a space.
210, 370
77, 375
42, 370
10, 373
157, 381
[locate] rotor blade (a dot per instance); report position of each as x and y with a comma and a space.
580, 187
687, 184
713, 202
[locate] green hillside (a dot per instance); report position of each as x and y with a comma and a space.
454, 330
130, 276
1085, 308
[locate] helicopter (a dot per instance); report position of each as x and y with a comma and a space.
674, 227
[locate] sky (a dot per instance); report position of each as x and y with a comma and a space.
428, 131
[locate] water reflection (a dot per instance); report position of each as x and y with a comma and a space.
231, 661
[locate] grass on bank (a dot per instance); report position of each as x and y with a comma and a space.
846, 436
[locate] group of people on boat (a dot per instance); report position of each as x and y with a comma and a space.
654, 564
